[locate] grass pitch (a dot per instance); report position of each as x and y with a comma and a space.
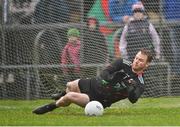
163, 111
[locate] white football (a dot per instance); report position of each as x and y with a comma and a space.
94, 108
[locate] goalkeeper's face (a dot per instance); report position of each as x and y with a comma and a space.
140, 63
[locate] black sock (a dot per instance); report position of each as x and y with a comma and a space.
58, 95
52, 106
63, 93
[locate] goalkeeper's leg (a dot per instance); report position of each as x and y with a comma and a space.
64, 99
58, 95
70, 86
72, 97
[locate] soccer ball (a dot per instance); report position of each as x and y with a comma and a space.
94, 108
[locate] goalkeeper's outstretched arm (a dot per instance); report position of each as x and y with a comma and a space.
112, 70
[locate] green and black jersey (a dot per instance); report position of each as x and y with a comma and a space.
113, 84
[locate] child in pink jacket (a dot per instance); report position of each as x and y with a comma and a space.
71, 54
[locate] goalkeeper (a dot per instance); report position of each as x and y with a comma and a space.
120, 80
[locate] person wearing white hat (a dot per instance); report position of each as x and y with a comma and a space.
139, 33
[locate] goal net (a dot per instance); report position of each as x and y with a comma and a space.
38, 59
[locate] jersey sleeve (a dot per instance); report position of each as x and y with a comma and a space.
108, 73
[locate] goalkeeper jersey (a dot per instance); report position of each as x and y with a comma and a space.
116, 88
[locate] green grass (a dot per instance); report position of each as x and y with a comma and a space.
146, 112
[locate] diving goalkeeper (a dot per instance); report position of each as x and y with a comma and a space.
120, 80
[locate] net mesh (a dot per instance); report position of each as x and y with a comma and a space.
33, 36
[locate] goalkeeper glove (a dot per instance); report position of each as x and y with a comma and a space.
131, 85
104, 82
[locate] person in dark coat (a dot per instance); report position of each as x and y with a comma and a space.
52, 11
94, 43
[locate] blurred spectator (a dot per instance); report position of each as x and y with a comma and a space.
52, 11
107, 12
172, 16
95, 47
87, 6
71, 55
152, 10
21, 11
98, 12
22, 3
75, 10
139, 33
120, 10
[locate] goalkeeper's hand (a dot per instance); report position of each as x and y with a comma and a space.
133, 91
131, 84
